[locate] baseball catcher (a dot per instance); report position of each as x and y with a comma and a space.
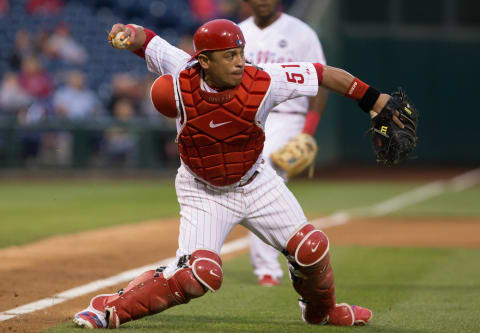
220, 104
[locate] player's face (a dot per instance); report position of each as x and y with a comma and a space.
264, 8
224, 68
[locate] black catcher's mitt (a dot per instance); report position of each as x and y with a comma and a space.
391, 143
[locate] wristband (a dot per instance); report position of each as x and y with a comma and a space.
369, 99
311, 122
134, 31
149, 34
357, 89
363, 93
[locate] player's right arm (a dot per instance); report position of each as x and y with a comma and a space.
161, 57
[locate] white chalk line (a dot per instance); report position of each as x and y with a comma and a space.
422, 193
66, 295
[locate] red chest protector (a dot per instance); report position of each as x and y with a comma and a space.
220, 140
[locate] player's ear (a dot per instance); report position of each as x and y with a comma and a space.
204, 60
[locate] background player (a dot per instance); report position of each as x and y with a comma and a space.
275, 37
221, 105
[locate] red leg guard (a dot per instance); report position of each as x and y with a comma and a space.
151, 292
315, 285
311, 273
312, 277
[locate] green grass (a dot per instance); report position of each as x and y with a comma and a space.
450, 204
33, 211
30, 212
409, 290
326, 197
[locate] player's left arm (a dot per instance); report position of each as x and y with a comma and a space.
311, 50
316, 107
300, 152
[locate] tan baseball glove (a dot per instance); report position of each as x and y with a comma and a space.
296, 155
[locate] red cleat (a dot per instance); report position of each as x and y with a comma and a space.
95, 315
268, 281
362, 315
346, 315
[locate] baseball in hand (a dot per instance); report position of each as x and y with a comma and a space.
118, 43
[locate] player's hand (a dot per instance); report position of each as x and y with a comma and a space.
380, 104
122, 41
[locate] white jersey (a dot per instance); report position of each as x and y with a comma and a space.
286, 40
288, 81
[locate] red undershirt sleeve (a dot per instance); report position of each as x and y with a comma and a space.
149, 35
319, 69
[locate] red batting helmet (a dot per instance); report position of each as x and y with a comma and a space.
217, 35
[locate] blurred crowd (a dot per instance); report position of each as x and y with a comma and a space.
52, 72
31, 95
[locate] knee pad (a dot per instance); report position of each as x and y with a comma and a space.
197, 273
307, 246
207, 269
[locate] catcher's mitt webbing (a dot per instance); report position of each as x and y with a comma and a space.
296, 155
391, 143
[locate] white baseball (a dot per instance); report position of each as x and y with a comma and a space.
118, 43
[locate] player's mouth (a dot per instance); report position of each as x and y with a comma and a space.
264, 9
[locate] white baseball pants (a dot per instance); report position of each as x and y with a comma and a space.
207, 213
279, 129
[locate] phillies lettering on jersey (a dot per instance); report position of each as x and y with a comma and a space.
220, 140
264, 57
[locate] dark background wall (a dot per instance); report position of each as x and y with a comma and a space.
431, 49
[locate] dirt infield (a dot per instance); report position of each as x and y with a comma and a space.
45, 268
